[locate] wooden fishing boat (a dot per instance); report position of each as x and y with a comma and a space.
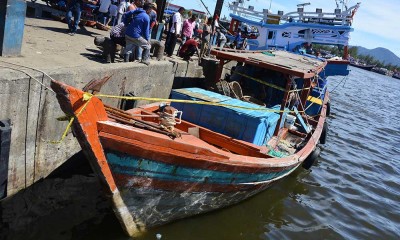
158, 168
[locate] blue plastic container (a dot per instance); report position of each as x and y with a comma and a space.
249, 125
192, 112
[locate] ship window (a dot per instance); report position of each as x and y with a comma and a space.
301, 33
271, 34
286, 34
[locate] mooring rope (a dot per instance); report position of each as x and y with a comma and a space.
29, 75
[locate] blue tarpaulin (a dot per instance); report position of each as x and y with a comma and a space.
169, 11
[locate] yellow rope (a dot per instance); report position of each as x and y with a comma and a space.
65, 132
268, 84
86, 97
263, 109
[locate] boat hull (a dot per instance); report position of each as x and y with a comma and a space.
337, 68
157, 192
153, 207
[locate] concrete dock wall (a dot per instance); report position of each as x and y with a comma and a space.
33, 109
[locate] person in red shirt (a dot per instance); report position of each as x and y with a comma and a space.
189, 48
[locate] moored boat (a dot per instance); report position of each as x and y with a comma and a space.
381, 70
201, 150
396, 75
362, 66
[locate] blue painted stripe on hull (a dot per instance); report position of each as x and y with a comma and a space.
121, 163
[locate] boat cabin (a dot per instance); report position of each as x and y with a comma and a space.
280, 80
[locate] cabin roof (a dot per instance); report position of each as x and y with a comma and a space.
281, 61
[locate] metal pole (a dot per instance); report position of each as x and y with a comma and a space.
218, 8
205, 7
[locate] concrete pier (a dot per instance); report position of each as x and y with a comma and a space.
74, 60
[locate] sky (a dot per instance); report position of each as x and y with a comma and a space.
376, 23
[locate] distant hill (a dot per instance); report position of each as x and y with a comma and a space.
381, 54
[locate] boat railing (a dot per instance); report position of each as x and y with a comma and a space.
337, 18
250, 14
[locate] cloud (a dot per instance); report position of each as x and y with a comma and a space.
379, 17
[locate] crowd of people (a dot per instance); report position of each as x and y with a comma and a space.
191, 41
133, 21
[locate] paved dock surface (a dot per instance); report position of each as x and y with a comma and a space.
47, 45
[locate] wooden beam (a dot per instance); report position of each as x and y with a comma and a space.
219, 70
284, 101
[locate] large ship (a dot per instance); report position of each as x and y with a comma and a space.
294, 31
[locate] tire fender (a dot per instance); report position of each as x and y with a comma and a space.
324, 133
311, 159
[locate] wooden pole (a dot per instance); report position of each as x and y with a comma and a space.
346, 53
284, 101
219, 70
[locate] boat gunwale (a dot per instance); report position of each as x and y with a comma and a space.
233, 161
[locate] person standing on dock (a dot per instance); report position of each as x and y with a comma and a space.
175, 31
103, 11
205, 38
187, 29
221, 38
237, 40
74, 10
137, 33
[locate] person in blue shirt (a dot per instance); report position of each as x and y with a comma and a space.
238, 39
137, 33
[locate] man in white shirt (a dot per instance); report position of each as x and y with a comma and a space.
103, 11
175, 31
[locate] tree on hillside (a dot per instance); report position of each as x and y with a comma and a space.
353, 51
